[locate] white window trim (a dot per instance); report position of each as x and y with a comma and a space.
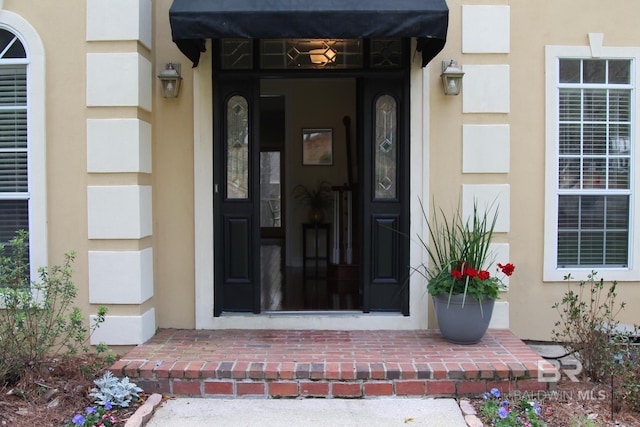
552, 54
36, 137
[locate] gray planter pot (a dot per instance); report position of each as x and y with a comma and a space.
462, 325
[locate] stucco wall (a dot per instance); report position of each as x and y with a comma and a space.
65, 49
173, 183
534, 24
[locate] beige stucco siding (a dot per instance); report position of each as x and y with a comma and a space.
533, 26
438, 126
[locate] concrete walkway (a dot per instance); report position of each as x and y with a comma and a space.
198, 412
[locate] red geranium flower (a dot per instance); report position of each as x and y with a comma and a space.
507, 269
484, 275
471, 272
457, 274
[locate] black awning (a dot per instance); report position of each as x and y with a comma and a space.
194, 21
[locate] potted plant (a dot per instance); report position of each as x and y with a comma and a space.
463, 291
317, 199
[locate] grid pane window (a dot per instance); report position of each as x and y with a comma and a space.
594, 164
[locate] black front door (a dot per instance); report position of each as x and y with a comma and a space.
383, 151
237, 196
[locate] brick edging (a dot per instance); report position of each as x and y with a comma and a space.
469, 413
143, 413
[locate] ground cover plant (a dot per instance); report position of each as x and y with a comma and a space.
503, 412
47, 368
604, 388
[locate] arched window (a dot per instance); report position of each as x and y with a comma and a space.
22, 137
14, 184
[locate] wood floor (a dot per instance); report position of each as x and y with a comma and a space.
286, 288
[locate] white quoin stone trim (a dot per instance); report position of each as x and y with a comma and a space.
500, 316
486, 29
124, 330
118, 80
485, 148
486, 89
118, 145
119, 212
119, 20
120, 277
488, 196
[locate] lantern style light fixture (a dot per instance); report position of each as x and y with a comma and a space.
170, 80
451, 77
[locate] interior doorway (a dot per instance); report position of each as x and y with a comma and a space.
296, 272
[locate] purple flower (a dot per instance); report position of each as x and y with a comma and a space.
495, 392
78, 420
503, 412
108, 406
91, 410
486, 395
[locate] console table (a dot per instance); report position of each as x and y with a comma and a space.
315, 250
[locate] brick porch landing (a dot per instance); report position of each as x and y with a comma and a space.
345, 364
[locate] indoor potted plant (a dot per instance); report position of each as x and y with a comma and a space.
317, 199
463, 291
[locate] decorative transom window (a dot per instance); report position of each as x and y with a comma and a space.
590, 159
305, 54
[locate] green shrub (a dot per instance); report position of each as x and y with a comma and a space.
587, 324
629, 374
37, 321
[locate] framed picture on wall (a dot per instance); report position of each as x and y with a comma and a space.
317, 147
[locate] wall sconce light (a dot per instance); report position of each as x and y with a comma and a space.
170, 80
451, 77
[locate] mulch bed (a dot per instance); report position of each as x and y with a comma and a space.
574, 404
52, 395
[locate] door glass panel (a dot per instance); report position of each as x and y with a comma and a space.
386, 53
270, 196
236, 54
385, 149
237, 148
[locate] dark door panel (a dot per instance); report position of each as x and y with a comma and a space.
236, 198
385, 196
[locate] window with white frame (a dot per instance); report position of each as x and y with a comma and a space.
14, 185
590, 158
23, 201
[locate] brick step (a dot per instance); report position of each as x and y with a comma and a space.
332, 389
229, 379
354, 364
